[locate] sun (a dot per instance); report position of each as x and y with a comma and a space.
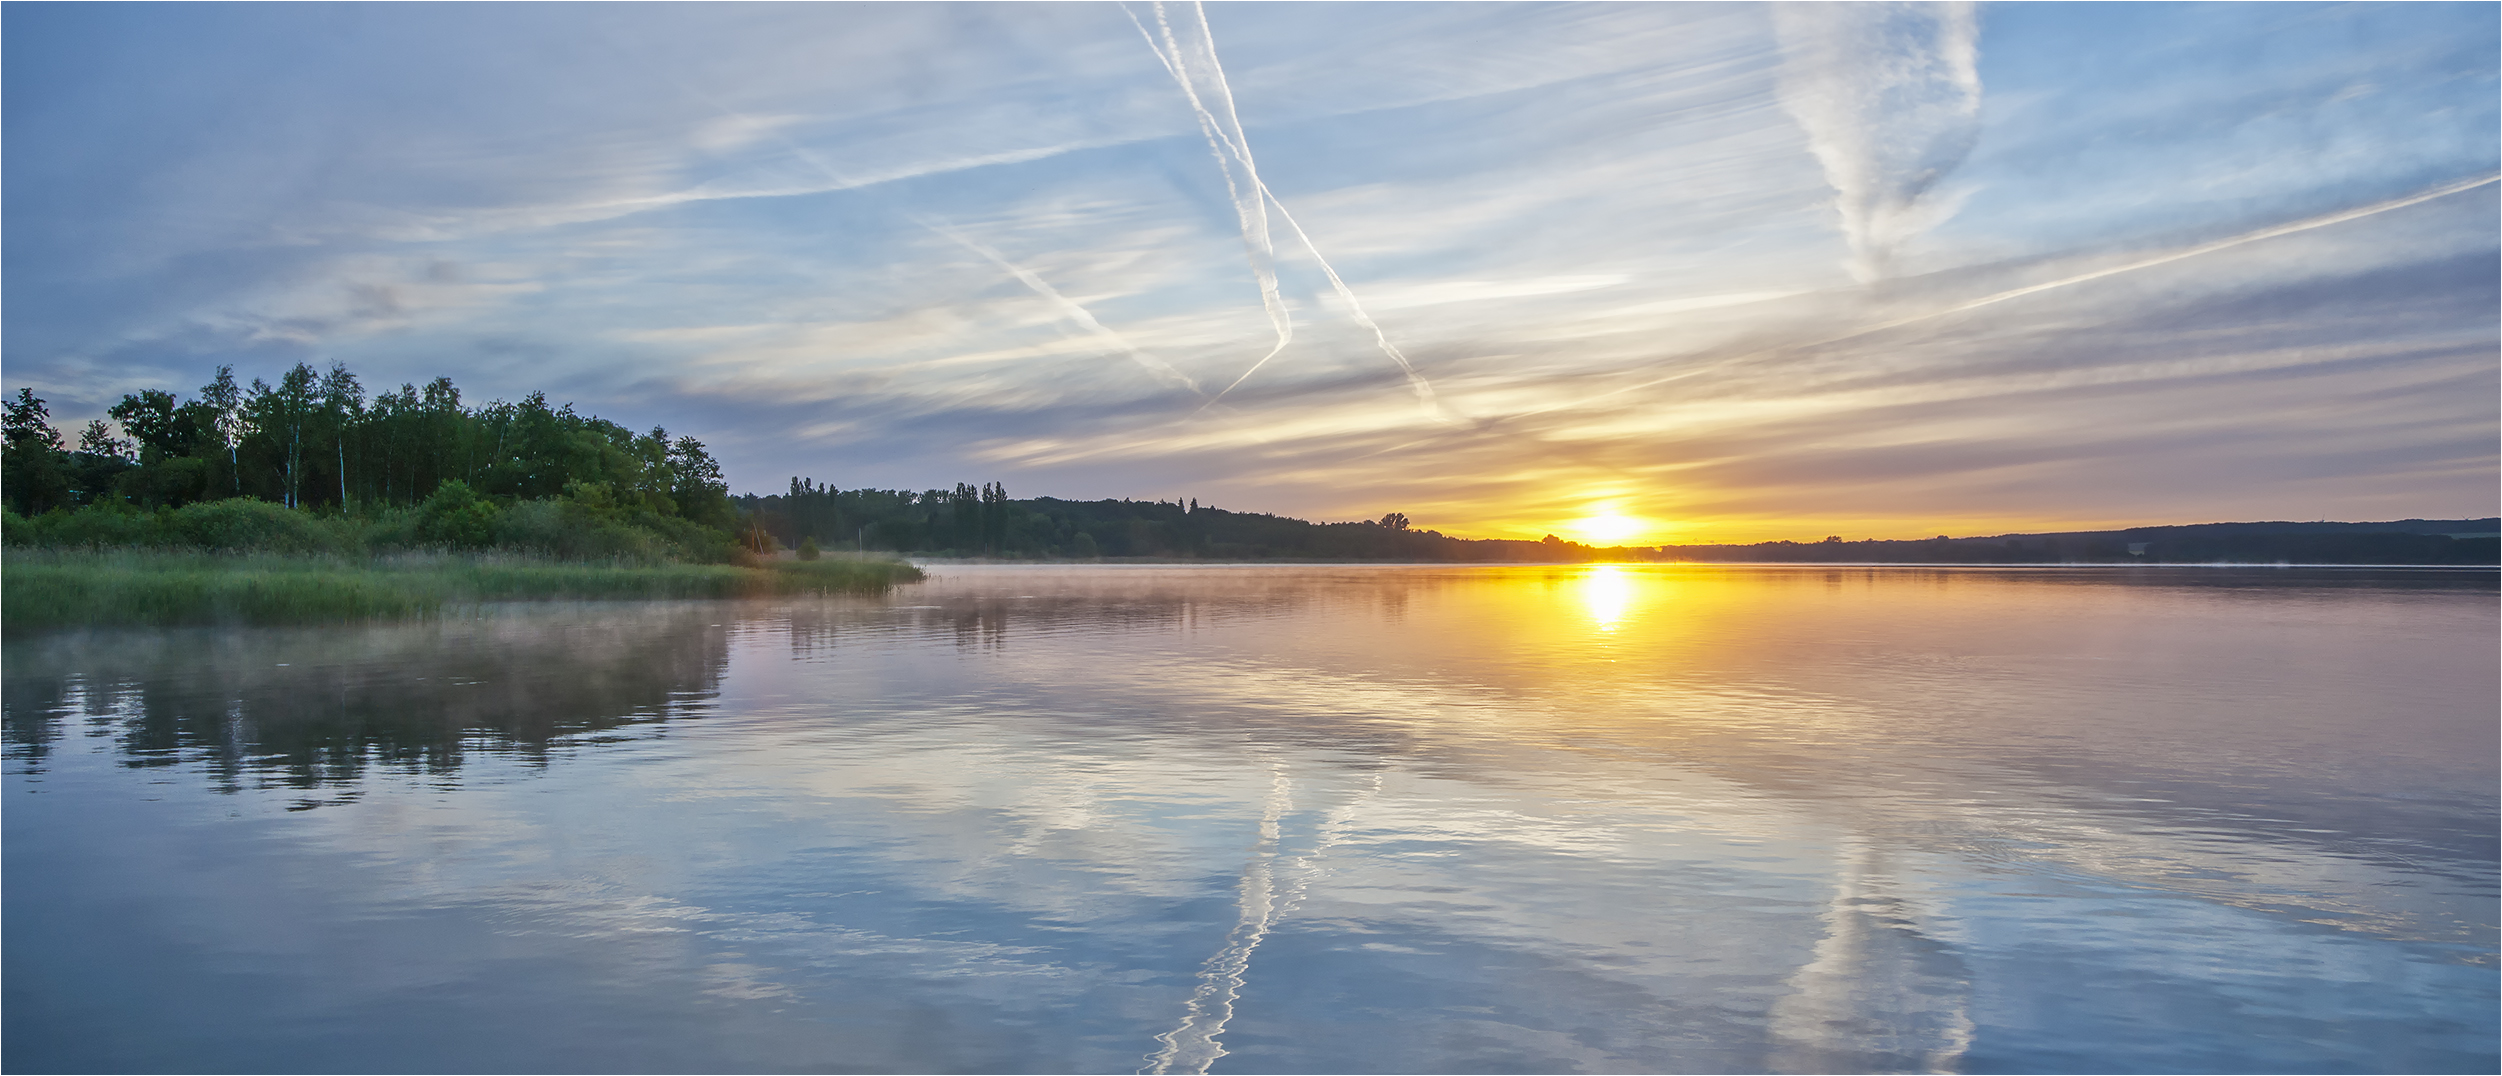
1606, 527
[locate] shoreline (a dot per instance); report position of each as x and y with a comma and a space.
55, 589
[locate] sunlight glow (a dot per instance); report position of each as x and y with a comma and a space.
1606, 527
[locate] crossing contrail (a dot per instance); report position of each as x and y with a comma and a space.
1242, 178
1195, 64
1068, 307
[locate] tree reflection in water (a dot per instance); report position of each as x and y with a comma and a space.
319, 707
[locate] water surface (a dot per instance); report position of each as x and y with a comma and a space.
1280, 819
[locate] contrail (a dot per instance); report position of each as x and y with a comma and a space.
2165, 258
2303, 225
1250, 206
1067, 307
1232, 148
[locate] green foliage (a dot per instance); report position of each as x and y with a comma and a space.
408, 469
454, 516
259, 526
315, 440
34, 467
228, 525
103, 525
167, 480
808, 549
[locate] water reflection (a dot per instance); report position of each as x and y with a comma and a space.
1186, 820
1607, 591
315, 708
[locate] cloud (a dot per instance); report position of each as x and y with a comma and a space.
1890, 97
1606, 233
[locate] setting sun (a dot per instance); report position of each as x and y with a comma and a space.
1606, 527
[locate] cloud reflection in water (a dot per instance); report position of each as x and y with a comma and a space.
1307, 818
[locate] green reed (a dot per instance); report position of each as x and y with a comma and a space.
50, 589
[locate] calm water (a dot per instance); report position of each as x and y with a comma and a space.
1277, 820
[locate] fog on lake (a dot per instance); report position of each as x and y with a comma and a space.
1280, 819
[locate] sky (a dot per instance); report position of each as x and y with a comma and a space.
1622, 272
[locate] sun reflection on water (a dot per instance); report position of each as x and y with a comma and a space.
1607, 591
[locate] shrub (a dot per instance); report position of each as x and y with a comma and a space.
453, 515
808, 548
241, 523
563, 528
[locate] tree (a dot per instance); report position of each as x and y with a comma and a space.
226, 421
342, 405
1396, 521
151, 417
100, 460
280, 414
29, 423
965, 506
995, 516
97, 439
701, 493
33, 465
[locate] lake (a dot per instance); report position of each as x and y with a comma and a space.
1280, 819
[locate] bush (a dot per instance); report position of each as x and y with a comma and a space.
561, 528
453, 515
244, 524
96, 527
808, 548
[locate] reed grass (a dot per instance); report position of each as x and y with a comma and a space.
57, 589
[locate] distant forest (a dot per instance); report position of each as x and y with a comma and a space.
984, 521
414, 466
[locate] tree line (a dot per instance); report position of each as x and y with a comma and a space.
315, 441
984, 521
424, 469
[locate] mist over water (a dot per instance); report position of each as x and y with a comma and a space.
1650, 818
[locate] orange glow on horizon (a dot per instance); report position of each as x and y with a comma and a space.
1628, 525
1606, 526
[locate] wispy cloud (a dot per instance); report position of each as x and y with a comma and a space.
1690, 260
1890, 97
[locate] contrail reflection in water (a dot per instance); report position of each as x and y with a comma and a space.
1192, 1046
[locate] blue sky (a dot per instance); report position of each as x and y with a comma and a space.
1734, 272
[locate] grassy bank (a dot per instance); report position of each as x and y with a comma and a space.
70, 588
